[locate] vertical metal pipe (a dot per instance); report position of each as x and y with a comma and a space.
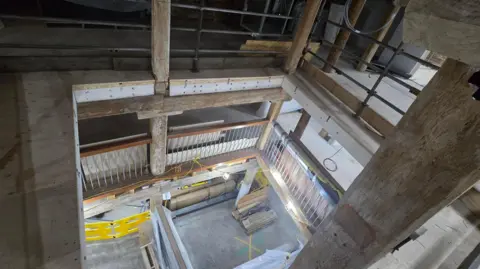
288, 14
262, 22
382, 75
199, 35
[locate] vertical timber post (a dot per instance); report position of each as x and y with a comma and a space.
301, 36
430, 160
343, 36
272, 115
160, 69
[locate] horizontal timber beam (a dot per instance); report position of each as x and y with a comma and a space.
160, 104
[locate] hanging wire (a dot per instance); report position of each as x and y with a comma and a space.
332, 161
351, 27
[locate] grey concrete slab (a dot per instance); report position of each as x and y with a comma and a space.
213, 238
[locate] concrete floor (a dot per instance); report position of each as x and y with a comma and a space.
213, 238
121, 253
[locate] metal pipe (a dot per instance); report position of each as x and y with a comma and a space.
265, 11
133, 25
411, 88
232, 11
392, 106
421, 61
372, 91
73, 21
199, 36
288, 14
340, 72
113, 49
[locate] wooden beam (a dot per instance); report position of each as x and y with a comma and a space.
302, 124
301, 36
161, 43
447, 27
160, 69
426, 164
379, 123
343, 36
372, 49
272, 115
156, 103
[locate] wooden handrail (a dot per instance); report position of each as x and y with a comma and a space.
216, 128
115, 146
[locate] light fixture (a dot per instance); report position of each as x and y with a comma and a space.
226, 176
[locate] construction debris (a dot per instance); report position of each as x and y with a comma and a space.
253, 211
258, 220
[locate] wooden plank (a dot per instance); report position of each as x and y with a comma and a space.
302, 124
161, 41
372, 49
421, 168
280, 46
170, 104
356, 8
90, 151
371, 117
448, 27
301, 36
272, 115
185, 170
168, 230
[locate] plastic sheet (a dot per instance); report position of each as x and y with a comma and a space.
271, 259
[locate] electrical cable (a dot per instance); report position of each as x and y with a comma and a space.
332, 161
351, 27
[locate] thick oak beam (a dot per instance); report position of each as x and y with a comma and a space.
430, 160
160, 104
301, 36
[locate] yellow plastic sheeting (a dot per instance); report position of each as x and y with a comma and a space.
114, 229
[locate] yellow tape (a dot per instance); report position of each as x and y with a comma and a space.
105, 230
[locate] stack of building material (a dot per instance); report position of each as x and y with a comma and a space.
253, 211
258, 220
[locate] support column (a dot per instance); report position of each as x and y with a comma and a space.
272, 115
301, 36
302, 124
246, 183
342, 37
160, 69
430, 160
372, 49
